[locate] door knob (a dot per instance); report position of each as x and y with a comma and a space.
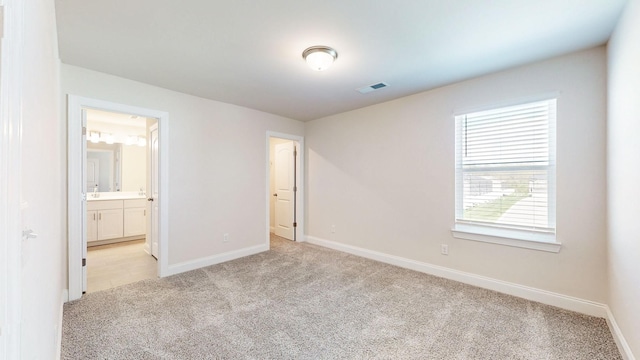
29, 234
150, 199
276, 194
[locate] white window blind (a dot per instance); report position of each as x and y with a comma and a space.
505, 167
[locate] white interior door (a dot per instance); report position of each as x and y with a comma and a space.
85, 186
93, 174
284, 179
154, 190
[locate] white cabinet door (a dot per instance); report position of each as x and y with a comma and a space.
110, 224
92, 225
135, 221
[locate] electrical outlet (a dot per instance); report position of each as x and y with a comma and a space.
333, 229
444, 249
225, 238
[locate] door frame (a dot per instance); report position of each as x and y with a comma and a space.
300, 194
75, 216
11, 80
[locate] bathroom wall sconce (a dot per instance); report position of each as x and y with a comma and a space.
107, 138
319, 58
131, 139
94, 137
136, 140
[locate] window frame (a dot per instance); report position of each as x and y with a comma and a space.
523, 237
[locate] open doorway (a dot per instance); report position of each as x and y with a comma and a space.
127, 199
285, 203
119, 182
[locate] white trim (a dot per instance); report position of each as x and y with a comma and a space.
506, 103
525, 292
515, 238
75, 215
64, 296
300, 213
11, 65
618, 337
215, 259
147, 248
75, 198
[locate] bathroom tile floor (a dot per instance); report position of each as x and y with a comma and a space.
118, 264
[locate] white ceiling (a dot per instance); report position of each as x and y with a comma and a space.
248, 52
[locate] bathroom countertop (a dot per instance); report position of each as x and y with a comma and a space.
116, 196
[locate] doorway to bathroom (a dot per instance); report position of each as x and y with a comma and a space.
119, 176
117, 164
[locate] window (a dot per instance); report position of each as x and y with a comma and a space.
505, 175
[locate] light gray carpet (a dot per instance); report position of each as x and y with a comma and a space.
299, 301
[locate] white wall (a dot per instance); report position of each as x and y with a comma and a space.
42, 186
623, 179
134, 167
216, 162
384, 176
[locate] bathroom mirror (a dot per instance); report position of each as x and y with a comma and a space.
115, 167
103, 164
116, 152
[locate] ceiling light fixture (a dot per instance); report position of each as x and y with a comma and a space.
319, 58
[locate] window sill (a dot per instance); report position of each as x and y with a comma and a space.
508, 237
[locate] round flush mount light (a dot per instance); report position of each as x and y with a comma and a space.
319, 58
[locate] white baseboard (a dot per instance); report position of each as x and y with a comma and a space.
215, 259
115, 241
623, 346
147, 248
525, 292
64, 297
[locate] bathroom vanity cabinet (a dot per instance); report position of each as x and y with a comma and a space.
135, 213
115, 220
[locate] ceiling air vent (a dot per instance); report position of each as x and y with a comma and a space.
370, 88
